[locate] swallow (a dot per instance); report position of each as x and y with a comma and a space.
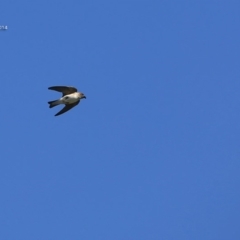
70, 97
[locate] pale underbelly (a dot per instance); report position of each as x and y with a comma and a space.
69, 100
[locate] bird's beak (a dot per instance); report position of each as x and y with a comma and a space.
84, 97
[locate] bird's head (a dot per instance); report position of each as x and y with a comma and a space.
82, 95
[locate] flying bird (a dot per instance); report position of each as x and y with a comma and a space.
70, 97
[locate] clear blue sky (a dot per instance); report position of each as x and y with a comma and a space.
153, 152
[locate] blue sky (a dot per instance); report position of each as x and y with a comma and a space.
153, 152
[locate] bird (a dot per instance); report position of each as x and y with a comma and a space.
70, 97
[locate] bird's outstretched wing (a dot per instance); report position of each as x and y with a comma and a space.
67, 108
63, 89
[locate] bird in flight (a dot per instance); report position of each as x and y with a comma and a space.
70, 97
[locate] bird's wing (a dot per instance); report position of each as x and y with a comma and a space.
63, 89
67, 108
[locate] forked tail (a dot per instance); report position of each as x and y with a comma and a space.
53, 103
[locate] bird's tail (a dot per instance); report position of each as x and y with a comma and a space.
53, 103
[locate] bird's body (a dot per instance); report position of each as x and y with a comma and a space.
71, 97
